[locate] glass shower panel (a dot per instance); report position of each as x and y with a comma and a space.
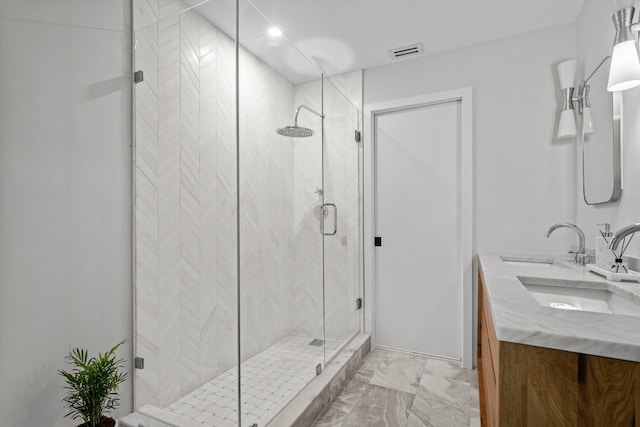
281, 295
342, 223
185, 213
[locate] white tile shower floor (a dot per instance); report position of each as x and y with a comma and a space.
269, 380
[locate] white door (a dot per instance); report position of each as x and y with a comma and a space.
418, 302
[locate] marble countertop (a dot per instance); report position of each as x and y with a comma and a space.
518, 318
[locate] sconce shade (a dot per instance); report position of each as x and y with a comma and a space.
567, 124
625, 67
567, 73
625, 63
587, 121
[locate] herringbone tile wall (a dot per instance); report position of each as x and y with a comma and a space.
185, 197
266, 209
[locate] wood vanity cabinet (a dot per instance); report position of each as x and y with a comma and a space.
523, 385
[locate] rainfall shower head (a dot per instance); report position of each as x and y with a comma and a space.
296, 131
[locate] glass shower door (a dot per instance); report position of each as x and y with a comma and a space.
281, 299
342, 225
247, 226
185, 212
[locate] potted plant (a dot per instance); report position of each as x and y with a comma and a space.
92, 386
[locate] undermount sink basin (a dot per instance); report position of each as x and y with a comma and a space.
579, 296
531, 261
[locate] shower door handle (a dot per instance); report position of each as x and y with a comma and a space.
325, 208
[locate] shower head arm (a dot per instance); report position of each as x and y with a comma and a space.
295, 120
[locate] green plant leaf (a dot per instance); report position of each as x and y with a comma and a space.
92, 384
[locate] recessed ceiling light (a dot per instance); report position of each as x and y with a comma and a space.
274, 32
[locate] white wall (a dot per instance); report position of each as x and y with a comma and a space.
523, 178
65, 264
595, 35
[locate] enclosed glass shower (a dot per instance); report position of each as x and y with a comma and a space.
248, 242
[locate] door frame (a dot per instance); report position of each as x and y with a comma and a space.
465, 255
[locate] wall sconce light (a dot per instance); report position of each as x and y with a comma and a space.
624, 73
567, 73
625, 64
567, 124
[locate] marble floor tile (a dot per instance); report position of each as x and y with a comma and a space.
399, 373
334, 415
474, 380
372, 361
344, 402
433, 411
447, 369
474, 402
455, 392
442, 402
354, 389
414, 421
440, 394
380, 407
382, 357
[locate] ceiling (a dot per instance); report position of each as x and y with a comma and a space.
339, 36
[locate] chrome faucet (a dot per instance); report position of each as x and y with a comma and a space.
621, 234
579, 257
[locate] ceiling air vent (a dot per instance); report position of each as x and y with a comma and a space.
406, 51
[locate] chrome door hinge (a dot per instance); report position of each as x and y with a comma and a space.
138, 76
139, 363
318, 368
358, 303
358, 136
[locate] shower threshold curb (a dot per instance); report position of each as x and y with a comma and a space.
301, 411
307, 405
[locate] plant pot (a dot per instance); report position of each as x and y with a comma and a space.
104, 422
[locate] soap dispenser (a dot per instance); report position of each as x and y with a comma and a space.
604, 256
